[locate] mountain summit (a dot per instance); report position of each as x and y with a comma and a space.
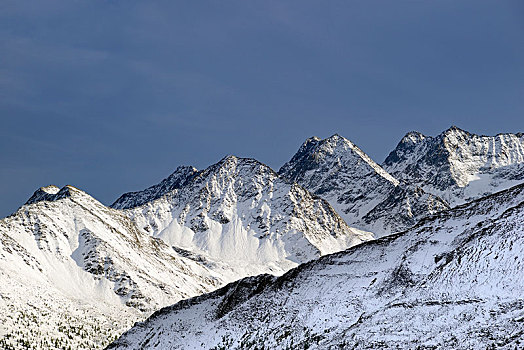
362, 192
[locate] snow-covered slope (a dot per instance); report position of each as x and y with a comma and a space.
361, 191
76, 273
240, 212
454, 281
457, 165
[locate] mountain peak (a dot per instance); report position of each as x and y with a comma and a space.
185, 175
313, 139
456, 131
335, 137
238, 209
454, 128
407, 143
412, 137
184, 168
53, 193
335, 150
51, 189
229, 158
233, 163
363, 193
43, 193
357, 187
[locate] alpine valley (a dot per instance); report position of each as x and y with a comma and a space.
332, 251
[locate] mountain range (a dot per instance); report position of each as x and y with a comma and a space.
115, 266
77, 273
458, 166
453, 281
361, 191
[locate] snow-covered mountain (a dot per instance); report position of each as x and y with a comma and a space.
458, 166
239, 211
453, 281
74, 272
88, 272
361, 191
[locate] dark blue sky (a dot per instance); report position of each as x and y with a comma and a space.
111, 96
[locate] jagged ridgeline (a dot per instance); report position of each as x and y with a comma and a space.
459, 166
241, 211
77, 273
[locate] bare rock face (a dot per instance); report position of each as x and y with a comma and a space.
362, 192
